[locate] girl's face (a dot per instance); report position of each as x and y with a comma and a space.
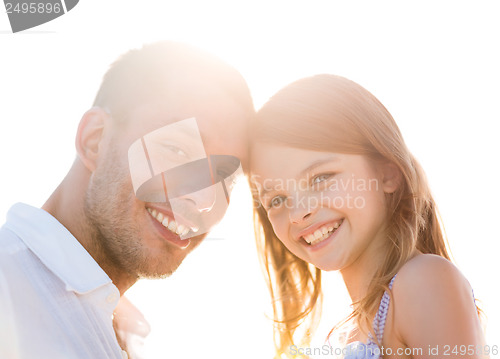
327, 208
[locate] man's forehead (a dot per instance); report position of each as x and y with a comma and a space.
209, 115
181, 95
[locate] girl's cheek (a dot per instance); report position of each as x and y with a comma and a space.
277, 224
334, 199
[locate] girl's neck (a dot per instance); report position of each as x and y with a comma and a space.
358, 275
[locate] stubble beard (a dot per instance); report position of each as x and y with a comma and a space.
109, 215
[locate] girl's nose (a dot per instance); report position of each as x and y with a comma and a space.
299, 209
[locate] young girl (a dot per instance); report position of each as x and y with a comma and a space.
336, 188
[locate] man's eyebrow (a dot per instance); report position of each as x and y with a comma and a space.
190, 131
309, 168
186, 134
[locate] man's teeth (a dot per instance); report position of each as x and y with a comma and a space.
170, 224
322, 233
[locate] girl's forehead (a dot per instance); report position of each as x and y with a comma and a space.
278, 161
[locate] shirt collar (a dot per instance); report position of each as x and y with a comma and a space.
57, 248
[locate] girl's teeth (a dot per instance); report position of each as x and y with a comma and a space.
321, 234
154, 213
165, 222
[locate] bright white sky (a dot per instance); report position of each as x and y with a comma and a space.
434, 65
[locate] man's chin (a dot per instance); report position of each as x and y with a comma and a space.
155, 275
160, 266
158, 272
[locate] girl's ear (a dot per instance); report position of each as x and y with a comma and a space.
89, 135
391, 177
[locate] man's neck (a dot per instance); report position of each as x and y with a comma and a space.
66, 204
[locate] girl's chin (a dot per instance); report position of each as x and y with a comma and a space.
329, 268
328, 264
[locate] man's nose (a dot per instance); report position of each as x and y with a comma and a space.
203, 200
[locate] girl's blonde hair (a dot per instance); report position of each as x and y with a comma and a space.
333, 114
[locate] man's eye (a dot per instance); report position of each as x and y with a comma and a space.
321, 178
176, 150
276, 202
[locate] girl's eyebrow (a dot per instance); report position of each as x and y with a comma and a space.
265, 192
318, 163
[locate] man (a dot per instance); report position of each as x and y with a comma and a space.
64, 267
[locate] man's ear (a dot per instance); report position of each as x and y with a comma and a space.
391, 177
89, 135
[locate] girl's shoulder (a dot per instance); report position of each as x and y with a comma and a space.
428, 291
427, 274
424, 271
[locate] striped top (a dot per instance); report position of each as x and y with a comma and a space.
370, 350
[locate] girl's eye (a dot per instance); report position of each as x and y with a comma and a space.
321, 178
276, 202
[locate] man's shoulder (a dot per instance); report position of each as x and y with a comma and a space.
18, 264
10, 242
15, 256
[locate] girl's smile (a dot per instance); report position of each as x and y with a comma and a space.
319, 232
323, 239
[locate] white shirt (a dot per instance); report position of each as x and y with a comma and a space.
55, 300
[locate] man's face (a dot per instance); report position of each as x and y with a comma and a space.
130, 229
